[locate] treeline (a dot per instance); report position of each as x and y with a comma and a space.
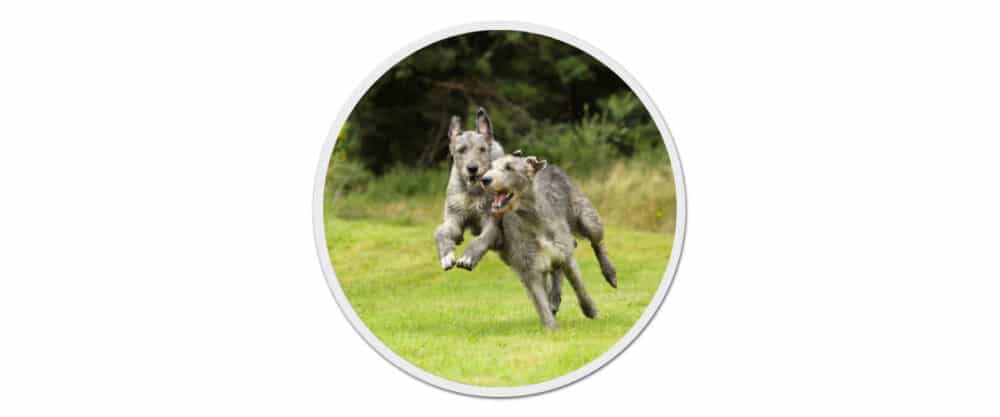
544, 96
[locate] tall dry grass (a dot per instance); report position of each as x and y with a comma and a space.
629, 193
640, 196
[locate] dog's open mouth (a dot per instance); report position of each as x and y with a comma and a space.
501, 199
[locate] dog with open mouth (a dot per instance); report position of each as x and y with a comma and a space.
575, 208
538, 210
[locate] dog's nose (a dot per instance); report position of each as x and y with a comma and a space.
472, 169
487, 180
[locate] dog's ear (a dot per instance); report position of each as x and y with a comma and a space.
483, 124
454, 128
536, 164
518, 153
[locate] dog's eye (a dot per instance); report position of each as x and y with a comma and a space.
507, 167
482, 149
461, 149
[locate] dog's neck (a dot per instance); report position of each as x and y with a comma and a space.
529, 210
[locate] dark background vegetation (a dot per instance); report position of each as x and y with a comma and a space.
544, 96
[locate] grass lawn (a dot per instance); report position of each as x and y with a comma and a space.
479, 327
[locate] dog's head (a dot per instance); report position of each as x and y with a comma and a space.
511, 177
470, 150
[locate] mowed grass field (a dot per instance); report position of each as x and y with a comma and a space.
479, 327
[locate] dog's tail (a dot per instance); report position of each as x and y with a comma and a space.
607, 269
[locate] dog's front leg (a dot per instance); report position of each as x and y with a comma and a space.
446, 235
478, 247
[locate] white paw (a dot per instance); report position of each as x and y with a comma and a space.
465, 262
448, 261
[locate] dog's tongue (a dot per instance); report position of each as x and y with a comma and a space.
498, 199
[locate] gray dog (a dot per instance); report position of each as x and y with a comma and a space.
540, 210
467, 206
467, 203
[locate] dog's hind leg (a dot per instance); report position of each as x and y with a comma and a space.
554, 289
590, 226
535, 284
587, 305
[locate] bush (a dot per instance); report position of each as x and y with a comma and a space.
523, 80
621, 129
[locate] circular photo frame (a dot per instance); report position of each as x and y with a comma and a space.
536, 146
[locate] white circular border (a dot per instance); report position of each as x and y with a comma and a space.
523, 390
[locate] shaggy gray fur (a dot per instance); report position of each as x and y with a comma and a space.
540, 211
467, 206
467, 202
577, 211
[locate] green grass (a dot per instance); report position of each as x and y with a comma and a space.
479, 327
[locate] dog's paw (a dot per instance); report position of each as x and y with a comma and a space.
554, 304
448, 261
465, 262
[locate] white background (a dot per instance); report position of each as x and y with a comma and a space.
157, 165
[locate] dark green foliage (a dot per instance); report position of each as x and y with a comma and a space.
541, 93
546, 98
